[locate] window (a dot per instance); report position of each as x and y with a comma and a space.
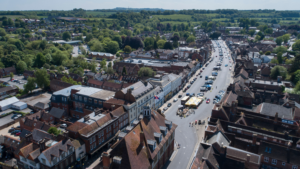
94, 139
266, 159
91, 140
283, 163
76, 97
107, 130
63, 155
102, 139
274, 161
43, 161
85, 99
90, 100
77, 116
80, 98
53, 97
95, 101
102, 133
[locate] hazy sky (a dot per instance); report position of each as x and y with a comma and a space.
166, 4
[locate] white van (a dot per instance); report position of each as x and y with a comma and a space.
212, 77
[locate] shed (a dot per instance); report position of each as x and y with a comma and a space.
19, 105
7, 103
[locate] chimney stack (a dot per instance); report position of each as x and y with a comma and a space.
106, 160
42, 144
248, 157
254, 139
86, 118
28, 137
141, 138
113, 107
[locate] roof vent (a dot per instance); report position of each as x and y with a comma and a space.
117, 159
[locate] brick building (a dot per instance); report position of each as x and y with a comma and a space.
7, 71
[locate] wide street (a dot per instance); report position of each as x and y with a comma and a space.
186, 135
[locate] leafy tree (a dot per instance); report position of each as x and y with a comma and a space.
278, 71
161, 43
279, 57
149, 42
112, 47
97, 47
127, 49
66, 36
279, 40
296, 64
190, 39
30, 85
286, 37
124, 71
42, 78
77, 70
58, 57
298, 36
46, 66
168, 45
103, 63
48, 58
109, 64
215, 35
251, 32
54, 130
2, 65
269, 31
40, 60
28, 35
21, 66
11, 75
155, 45
296, 46
118, 39
268, 53
70, 80
296, 77
110, 71
275, 61
2, 32
146, 72
88, 37
280, 49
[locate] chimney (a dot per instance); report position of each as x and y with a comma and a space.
86, 118
97, 112
254, 139
113, 107
141, 138
106, 160
66, 134
42, 144
248, 157
28, 137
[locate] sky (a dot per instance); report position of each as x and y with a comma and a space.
165, 4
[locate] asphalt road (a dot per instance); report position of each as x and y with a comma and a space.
186, 135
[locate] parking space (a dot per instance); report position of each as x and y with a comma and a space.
20, 83
6, 131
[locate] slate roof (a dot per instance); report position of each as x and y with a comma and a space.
55, 150
31, 151
41, 105
229, 98
220, 138
38, 135
138, 88
57, 113
270, 109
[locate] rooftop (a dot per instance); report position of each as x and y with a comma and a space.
66, 91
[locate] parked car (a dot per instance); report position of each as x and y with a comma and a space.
170, 104
15, 131
63, 126
11, 129
175, 100
12, 80
166, 108
188, 86
201, 94
17, 134
208, 100
179, 96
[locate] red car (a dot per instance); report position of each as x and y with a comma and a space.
17, 134
12, 79
208, 100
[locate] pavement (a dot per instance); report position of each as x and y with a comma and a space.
7, 79
187, 136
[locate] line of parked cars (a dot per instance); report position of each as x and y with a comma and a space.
15, 131
219, 96
16, 116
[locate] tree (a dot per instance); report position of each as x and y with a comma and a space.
27, 35
70, 80
286, 37
268, 53
146, 72
112, 47
58, 57
278, 71
97, 47
161, 43
190, 39
48, 58
168, 45
279, 40
127, 49
279, 57
149, 42
280, 49
46, 66
298, 36
296, 64
40, 60
2, 32
30, 85
269, 31
109, 64
21, 66
103, 63
110, 71
215, 35
155, 45
42, 78
275, 61
251, 32
227, 31
88, 37
296, 77
118, 39
54, 130
296, 46
11, 75
124, 71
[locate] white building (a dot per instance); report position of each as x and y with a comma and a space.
7, 103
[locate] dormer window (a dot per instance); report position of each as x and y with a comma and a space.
163, 130
158, 137
168, 124
151, 144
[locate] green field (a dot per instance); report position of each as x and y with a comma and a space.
98, 13
174, 17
